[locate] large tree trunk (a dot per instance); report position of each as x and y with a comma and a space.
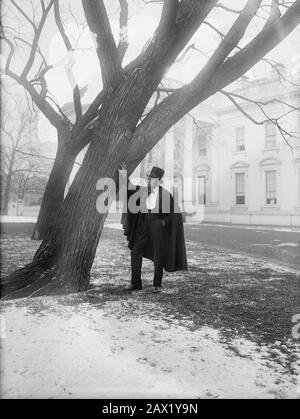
63, 262
55, 190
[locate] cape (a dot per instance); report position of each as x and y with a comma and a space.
173, 232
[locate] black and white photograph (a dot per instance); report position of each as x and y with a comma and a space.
150, 202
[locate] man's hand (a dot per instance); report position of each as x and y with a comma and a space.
163, 223
123, 166
122, 169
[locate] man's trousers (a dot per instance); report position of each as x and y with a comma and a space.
152, 231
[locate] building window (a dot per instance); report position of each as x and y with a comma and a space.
153, 155
179, 135
271, 137
240, 188
177, 153
299, 186
240, 139
201, 141
201, 190
298, 131
271, 187
150, 156
177, 149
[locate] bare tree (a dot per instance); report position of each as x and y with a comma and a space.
123, 133
28, 178
17, 130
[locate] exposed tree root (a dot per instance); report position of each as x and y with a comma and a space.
36, 279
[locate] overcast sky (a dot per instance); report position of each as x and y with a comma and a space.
142, 23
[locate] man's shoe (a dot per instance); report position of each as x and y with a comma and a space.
156, 290
133, 288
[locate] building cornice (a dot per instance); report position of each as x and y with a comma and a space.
239, 165
248, 105
270, 161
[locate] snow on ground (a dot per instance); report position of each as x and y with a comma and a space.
116, 226
65, 347
220, 330
17, 219
258, 229
288, 245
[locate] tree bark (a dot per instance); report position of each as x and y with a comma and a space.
54, 193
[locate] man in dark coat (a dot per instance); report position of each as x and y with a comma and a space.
154, 228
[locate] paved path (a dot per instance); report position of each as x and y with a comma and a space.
280, 245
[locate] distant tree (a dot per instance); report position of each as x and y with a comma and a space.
17, 162
28, 179
23, 25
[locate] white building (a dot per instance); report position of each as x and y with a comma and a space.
226, 168
231, 170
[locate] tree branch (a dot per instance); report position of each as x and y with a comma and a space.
175, 106
228, 9
123, 36
24, 14
168, 19
163, 52
91, 112
11, 51
274, 13
76, 91
37, 98
60, 26
274, 121
260, 103
221, 34
36, 38
235, 34
55, 119
261, 45
40, 156
77, 103
107, 52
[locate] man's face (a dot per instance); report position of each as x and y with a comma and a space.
152, 182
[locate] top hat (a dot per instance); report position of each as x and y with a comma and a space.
156, 172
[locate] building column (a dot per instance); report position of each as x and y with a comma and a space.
214, 169
161, 153
169, 160
188, 165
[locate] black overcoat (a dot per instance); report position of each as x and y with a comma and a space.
174, 244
